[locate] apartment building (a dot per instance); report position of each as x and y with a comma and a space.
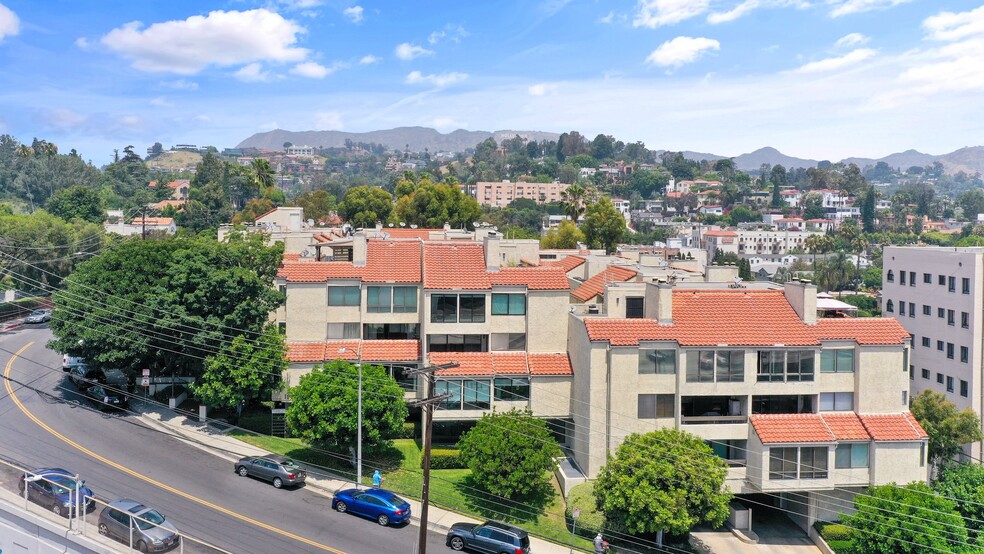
502, 193
806, 408
937, 295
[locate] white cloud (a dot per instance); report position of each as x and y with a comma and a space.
63, 118
161, 102
852, 39
607, 18
848, 7
314, 70
541, 89
130, 121
221, 38
453, 33
370, 59
747, 6
407, 51
9, 22
180, 84
681, 50
837, 62
656, 13
252, 73
955, 26
83, 43
439, 80
354, 14
327, 121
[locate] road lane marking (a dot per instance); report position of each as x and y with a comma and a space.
124, 469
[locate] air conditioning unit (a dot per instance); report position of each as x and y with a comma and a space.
593, 309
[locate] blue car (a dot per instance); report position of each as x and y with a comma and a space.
379, 504
54, 488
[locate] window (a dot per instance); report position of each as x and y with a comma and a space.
964, 354
905, 398
512, 389
508, 304
379, 299
849, 456
510, 342
476, 395
940, 313
950, 317
889, 306
837, 360
405, 300
927, 309
890, 276
901, 308
928, 278
457, 343
472, 308
813, 462
782, 463
949, 384
925, 342
770, 365
635, 307
912, 278
965, 285
700, 366
836, 401
799, 365
661, 362
282, 327
730, 366
343, 296
449, 387
444, 308
647, 406
939, 378
949, 350
939, 345
964, 320
912, 309
964, 388
942, 280
392, 331
664, 406
780, 365
902, 278
951, 284
925, 373
343, 331
730, 450
282, 289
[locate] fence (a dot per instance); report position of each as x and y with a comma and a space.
62, 499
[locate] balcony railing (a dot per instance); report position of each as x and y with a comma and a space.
704, 420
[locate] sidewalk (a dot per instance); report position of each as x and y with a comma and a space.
212, 438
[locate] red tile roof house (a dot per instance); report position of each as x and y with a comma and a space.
407, 302
812, 410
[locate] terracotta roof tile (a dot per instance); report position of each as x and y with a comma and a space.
489, 364
535, 278
470, 363
893, 427
596, 285
845, 426
550, 364
386, 261
306, 351
455, 266
370, 350
391, 350
568, 263
779, 428
867, 330
262, 215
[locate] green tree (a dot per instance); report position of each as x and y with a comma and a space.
243, 371
905, 520
666, 480
948, 428
510, 453
432, 205
573, 200
972, 203
317, 204
324, 406
813, 206
778, 178
648, 183
964, 484
77, 203
264, 177
868, 211
602, 147
39, 250
603, 225
363, 206
209, 170
565, 236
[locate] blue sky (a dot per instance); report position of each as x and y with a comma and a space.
814, 78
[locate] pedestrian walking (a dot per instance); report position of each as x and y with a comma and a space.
377, 479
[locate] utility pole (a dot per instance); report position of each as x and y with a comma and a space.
427, 404
143, 224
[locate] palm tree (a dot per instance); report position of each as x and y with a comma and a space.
263, 175
834, 272
25, 152
818, 244
573, 200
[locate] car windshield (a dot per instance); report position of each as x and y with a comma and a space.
289, 464
62, 485
38, 312
148, 519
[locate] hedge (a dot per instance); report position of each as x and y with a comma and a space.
445, 458
841, 547
591, 521
409, 431
835, 532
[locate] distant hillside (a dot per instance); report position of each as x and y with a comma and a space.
902, 160
771, 156
969, 159
175, 161
414, 138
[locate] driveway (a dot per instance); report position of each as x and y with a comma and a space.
777, 535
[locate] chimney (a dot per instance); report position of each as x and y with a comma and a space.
720, 273
802, 296
659, 303
360, 247
491, 244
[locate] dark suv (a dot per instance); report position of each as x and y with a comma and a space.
493, 537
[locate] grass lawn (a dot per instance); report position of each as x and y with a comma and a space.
451, 489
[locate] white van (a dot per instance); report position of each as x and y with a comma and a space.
68, 362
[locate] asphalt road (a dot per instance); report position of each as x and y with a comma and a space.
206, 499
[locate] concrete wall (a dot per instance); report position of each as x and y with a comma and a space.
880, 379
590, 399
25, 533
547, 320
897, 462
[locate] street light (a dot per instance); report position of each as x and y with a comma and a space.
358, 443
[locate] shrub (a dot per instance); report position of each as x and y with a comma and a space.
841, 547
446, 458
835, 532
409, 431
592, 520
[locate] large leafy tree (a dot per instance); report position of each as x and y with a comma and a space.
948, 428
603, 225
166, 303
510, 453
77, 203
432, 205
664, 480
964, 484
324, 405
564, 236
648, 183
905, 520
242, 371
317, 204
363, 206
38, 250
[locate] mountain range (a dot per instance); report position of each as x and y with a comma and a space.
968, 159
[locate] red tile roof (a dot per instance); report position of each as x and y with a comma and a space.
489, 364
455, 266
391, 350
741, 318
845, 426
893, 427
777, 428
535, 278
178, 183
368, 350
262, 215
550, 364
406, 233
596, 284
568, 263
830, 427
386, 261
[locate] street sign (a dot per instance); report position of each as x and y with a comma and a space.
146, 372
145, 381
576, 513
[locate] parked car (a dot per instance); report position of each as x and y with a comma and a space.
379, 504
83, 376
69, 362
106, 399
54, 488
493, 537
151, 532
38, 316
279, 470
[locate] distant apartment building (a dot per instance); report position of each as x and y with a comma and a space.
138, 225
937, 294
300, 150
502, 193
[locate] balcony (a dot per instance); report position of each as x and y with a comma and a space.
705, 410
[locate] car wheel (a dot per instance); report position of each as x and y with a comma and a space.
383, 520
457, 543
341, 507
103, 530
242, 471
58, 510
142, 547
278, 482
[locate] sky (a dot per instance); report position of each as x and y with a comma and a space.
822, 79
